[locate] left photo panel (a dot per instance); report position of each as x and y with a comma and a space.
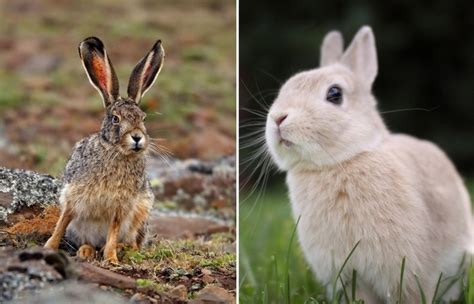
118, 151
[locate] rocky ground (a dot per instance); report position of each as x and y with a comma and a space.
190, 255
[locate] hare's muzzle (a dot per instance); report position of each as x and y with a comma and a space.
136, 141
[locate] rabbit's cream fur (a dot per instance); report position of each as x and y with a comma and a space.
349, 179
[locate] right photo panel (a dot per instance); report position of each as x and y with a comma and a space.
356, 152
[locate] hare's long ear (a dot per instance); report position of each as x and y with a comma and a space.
361, 56
145, 72
99, 69
331, 48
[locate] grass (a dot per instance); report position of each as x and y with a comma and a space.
272, 266
186, 254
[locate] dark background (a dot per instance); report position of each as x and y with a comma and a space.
425, 53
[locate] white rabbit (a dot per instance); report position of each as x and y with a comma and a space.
350, 179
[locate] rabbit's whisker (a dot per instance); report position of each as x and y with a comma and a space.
279, 81
255, 112
410, 109
260, 103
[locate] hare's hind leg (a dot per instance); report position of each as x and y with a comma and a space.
138, 227
86, 252
64, 220
110, 249
141, 234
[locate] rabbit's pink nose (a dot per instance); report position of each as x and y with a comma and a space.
279, 120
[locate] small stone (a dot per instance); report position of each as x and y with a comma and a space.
206, 271
183, 279
207, 279
139, 298
180, 292
181, 272
213, 294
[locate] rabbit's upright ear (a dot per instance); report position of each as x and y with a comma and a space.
331, 48
145, 72
99, 69
361, 56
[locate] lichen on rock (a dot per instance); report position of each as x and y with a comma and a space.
20, 188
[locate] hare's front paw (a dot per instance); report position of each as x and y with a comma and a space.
52, 243
110, 255
86, 252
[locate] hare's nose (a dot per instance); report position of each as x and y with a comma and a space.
136, 138
279, 120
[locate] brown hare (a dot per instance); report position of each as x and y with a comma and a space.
352, 180
106, 197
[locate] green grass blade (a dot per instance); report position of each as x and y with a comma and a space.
245, 263
288, 298
452, 280
344, 292
455, 278
435, 295
422, 294
354, 284
402, 273
265, 295
469, 292
274, 285
334, 287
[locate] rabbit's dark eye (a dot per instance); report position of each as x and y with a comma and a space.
115, 119
334, 95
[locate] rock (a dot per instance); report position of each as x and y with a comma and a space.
40, 275
207, 279
195, 185
94, 274
20, 188
213, 294
174, 227
206, 271
72, 292
139, 298
180, 291
29, 270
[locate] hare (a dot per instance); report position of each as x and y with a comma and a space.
352, 180
106, 197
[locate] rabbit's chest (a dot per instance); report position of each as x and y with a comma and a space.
327, 211
330, 221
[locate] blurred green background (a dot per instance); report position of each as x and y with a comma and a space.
426, 60
47, 103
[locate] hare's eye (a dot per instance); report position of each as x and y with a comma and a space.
334, 95
115, 119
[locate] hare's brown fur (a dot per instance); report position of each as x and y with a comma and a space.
106, 196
